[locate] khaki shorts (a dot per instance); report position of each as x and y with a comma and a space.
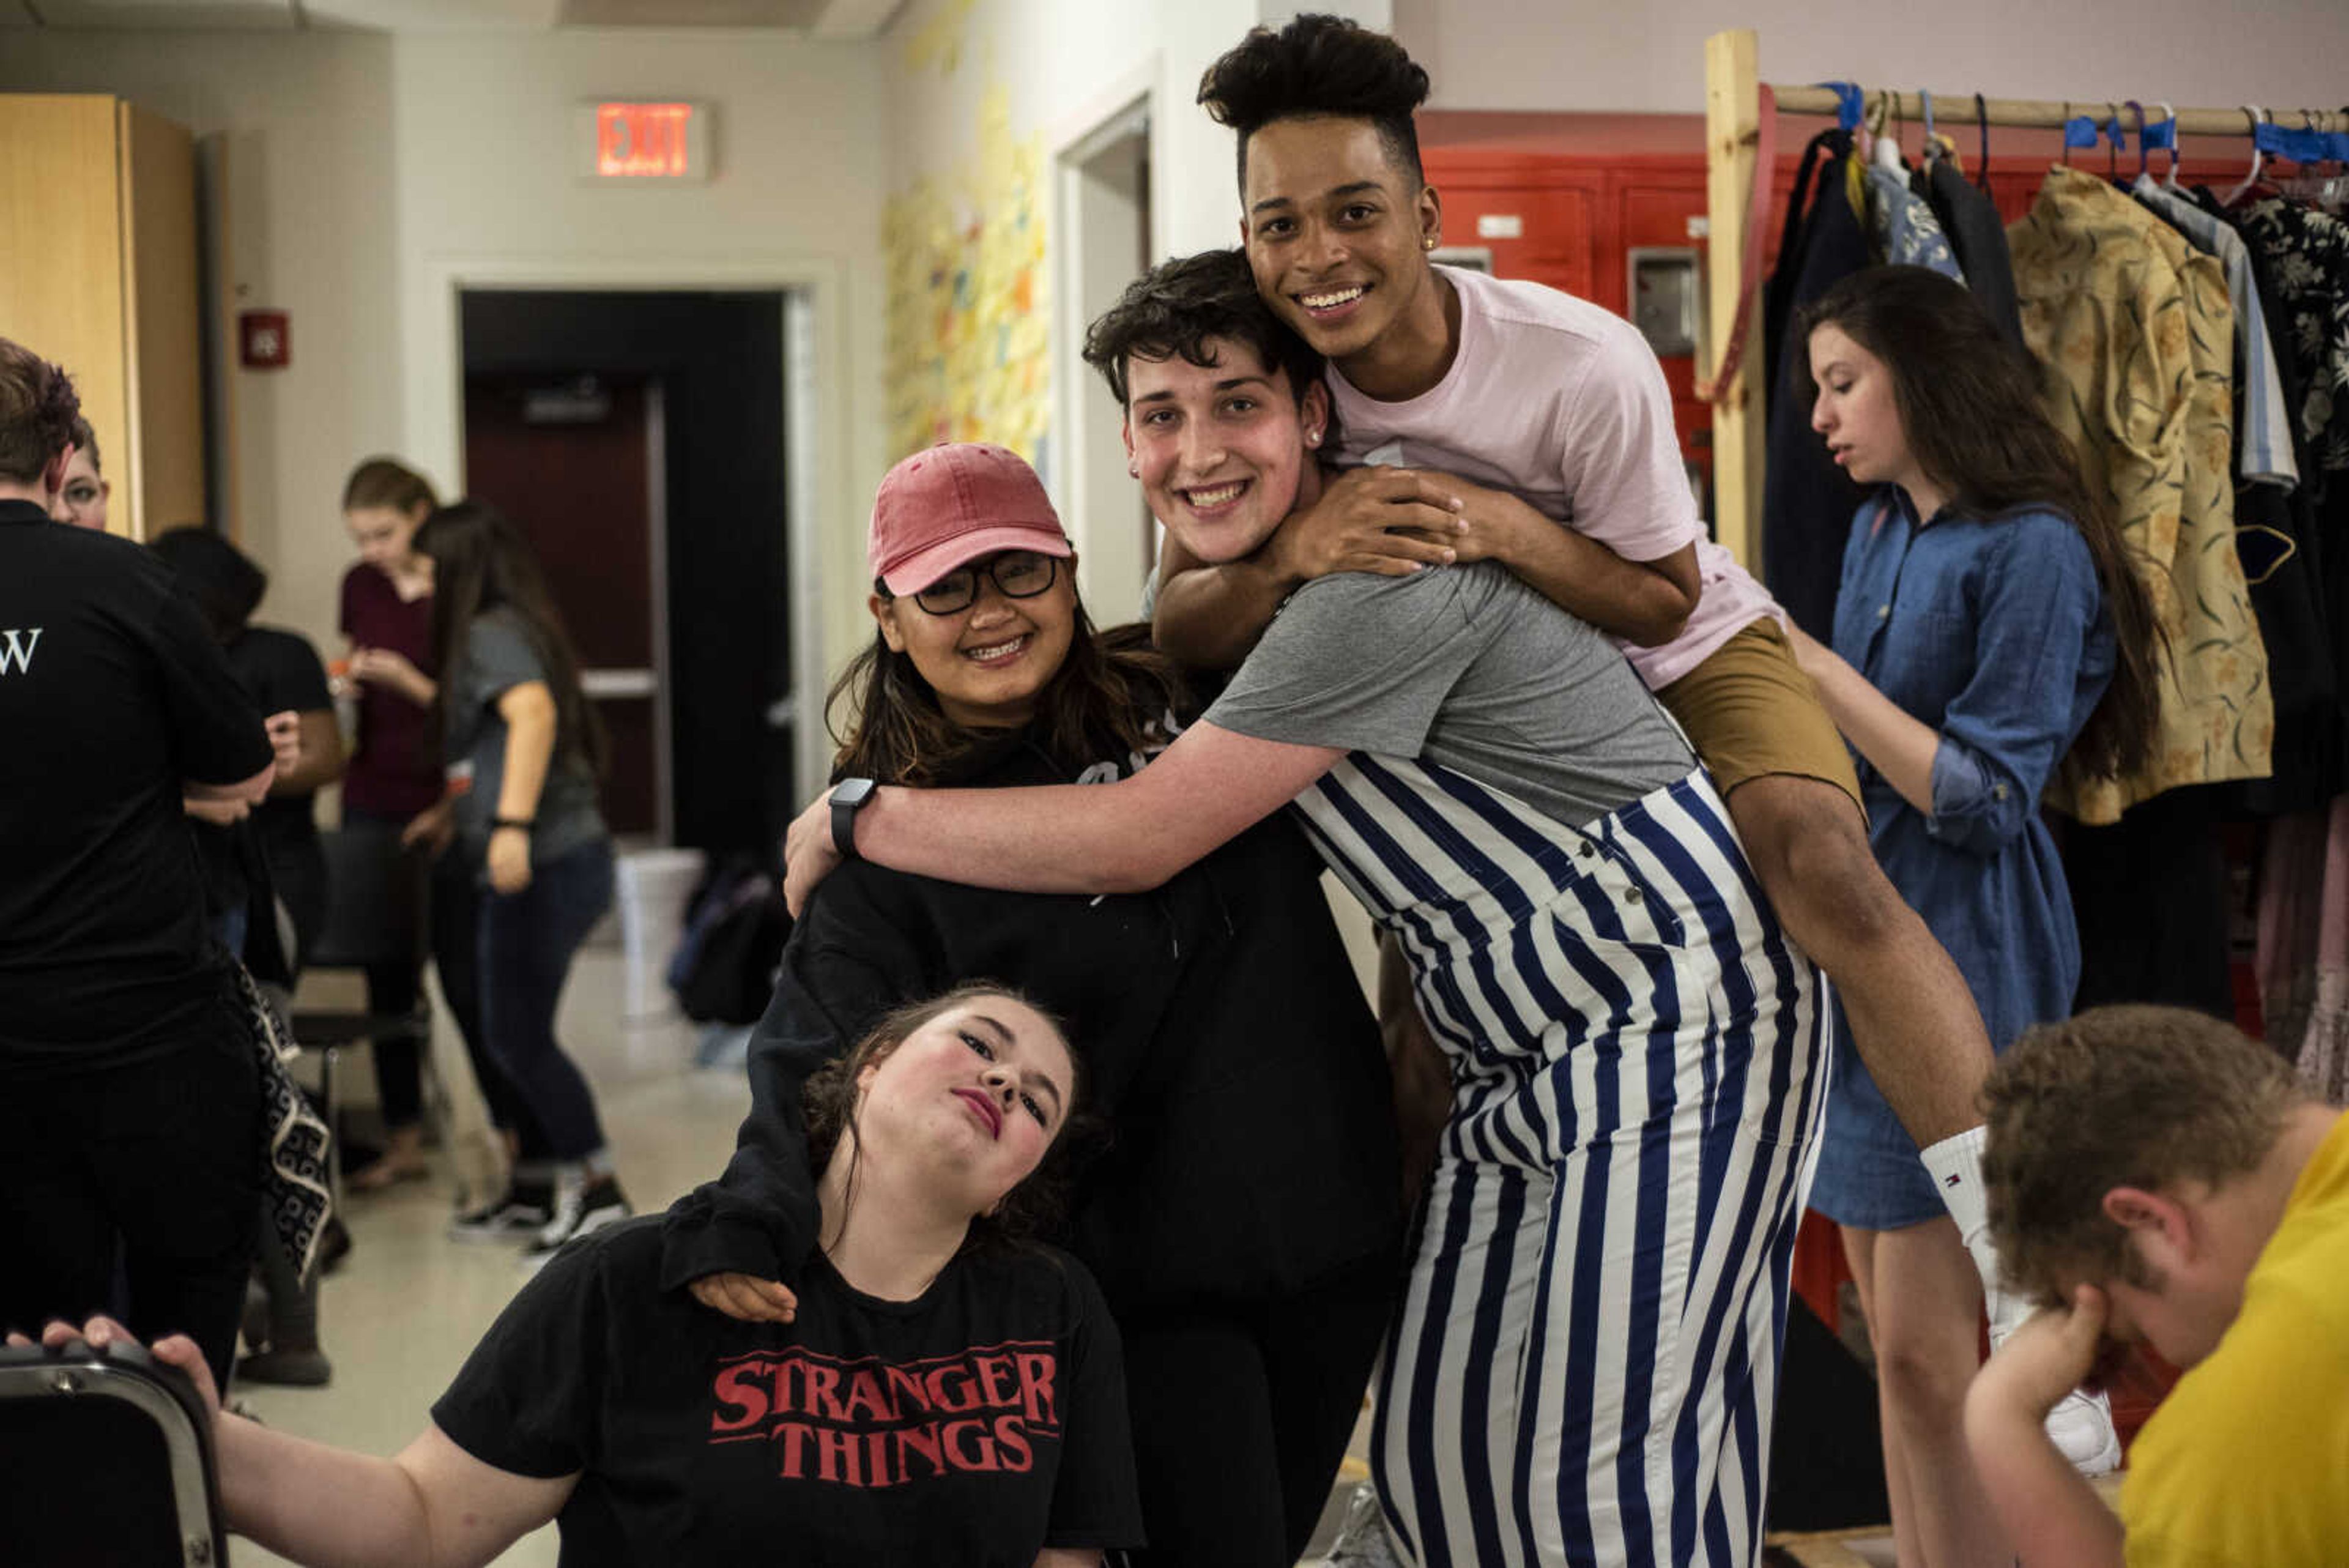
1750, 711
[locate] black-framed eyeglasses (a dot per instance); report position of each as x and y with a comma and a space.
1017, 574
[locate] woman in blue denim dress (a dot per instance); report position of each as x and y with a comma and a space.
1991, 634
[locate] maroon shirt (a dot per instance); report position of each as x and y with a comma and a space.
397, 771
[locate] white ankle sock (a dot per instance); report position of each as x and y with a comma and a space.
1955, 1165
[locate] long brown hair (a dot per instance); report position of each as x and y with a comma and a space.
1114, 694
481, 562
831, 1100
1969, 408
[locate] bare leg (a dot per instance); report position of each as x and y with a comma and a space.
1913, 1021
1859, 1252
1926, 1327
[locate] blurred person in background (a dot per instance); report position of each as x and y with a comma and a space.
264, 863
395, 776
529, 835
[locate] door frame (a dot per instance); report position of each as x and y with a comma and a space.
816, 437
1108, 549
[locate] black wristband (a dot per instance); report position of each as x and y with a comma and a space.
524, 822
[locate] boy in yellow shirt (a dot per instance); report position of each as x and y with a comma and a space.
2153, 1175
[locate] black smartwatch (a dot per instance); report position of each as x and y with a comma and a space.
848, 797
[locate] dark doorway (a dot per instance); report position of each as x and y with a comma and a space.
576, 463
638, 439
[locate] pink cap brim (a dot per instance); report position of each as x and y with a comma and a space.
923, 568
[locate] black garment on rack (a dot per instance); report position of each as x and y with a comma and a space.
2301, 261
2149, 893
1978, 239
2310, 755
1807, 503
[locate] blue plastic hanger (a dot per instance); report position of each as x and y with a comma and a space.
1851, 104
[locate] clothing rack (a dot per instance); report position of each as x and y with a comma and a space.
1733, 149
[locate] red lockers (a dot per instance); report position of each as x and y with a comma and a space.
1572, 219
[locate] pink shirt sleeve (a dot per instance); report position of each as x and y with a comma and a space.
1619, 454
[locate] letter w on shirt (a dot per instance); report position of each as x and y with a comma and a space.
17, 647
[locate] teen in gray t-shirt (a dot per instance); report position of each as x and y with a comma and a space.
498, 657
1469, 668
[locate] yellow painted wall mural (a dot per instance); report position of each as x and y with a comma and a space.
969, 350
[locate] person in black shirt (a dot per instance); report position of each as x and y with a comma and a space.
130, 1100
282, 673
259, 859
1245, 1220
948, 1395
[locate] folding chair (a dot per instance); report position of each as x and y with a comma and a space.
378, 907
110, 1459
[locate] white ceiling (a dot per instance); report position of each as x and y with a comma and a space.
818, 18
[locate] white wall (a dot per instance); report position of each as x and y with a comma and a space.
1585, 55
367, 173
486, 192
307, 122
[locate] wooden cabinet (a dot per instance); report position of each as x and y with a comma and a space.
98, 273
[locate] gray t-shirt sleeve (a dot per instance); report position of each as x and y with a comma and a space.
1355, 662
498, 657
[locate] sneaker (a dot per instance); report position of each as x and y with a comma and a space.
524, 1208
581, 1209
286, 1368
2082, 1429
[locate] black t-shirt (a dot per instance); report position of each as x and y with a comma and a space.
112, 694
280, 672
978, 1425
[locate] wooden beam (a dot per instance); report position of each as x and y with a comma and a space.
1732, 124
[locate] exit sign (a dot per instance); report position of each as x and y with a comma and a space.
644, 142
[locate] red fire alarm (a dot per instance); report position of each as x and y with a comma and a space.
263, 340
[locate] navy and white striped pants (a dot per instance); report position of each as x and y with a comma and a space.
1583, 1367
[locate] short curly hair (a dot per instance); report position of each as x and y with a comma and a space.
1033, 1208
38, 408
1319, 66
2118, 1096
1178, 306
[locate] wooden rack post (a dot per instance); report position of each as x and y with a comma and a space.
1733, 122
1733, 101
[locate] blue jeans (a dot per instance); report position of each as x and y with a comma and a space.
526, 943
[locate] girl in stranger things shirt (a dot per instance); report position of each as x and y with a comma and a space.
947, 1394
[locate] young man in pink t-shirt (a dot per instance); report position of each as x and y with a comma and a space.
1560, 408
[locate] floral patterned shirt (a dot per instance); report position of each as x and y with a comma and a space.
2135, 333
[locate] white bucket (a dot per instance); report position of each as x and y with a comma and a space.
654, 887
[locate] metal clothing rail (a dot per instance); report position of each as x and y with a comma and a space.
1957, 109
1733, 101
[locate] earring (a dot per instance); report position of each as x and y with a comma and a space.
1429, 244
1133, 470
1312, 438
